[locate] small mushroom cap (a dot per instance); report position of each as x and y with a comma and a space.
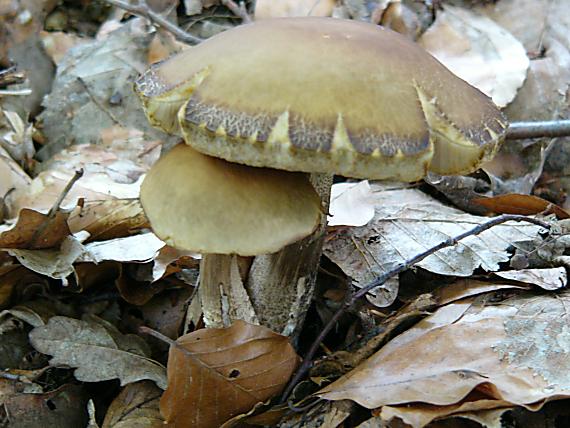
198, 203
324, 95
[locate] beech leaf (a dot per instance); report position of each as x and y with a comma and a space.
468, 356
216, 374
408, 222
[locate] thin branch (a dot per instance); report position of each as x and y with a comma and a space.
142, 9
239, 11
307, 361
551, 129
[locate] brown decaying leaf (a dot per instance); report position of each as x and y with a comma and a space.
136, 406
108, 219
216, 374
475, 355
35, 231
514, 203
97, 349
66, 407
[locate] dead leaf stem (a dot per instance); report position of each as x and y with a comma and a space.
450, 242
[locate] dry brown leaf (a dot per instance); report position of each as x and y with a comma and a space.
36, 231
136, 406
423, 414
406, 223
514, 352
284, 8
547, 279
107, 176
216, 374
66, 407
55, 263
514, 203
114, 218
134, 291
98, 351
479, 51
468, 287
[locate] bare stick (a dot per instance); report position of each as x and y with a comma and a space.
548, 129
157, 335
142, 9
307, 361
238, 11
55, 207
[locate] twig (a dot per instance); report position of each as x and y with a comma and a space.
239, 11
307, 361
142, 9
551, 128
53, 210
157, 335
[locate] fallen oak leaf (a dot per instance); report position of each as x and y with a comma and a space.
216, 374
97, 350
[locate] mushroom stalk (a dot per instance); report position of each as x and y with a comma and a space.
539, 129
281, 285
278, 289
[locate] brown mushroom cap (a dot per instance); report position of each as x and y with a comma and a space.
324, 95
198, 203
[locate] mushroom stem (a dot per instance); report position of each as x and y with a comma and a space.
281, 285
277, 290
539, 129
222, 294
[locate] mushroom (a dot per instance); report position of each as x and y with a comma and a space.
323, 96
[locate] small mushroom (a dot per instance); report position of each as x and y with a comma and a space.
323, 96
203, 204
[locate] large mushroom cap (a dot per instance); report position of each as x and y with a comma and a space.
323, 95
198, 203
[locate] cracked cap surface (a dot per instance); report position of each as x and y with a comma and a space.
323, 95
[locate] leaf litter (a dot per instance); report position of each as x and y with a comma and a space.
79, 277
